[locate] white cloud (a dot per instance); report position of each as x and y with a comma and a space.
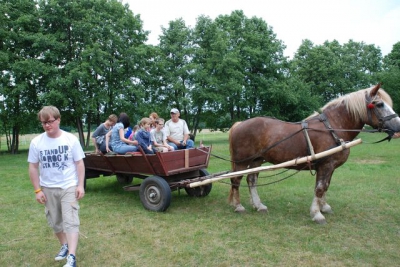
369, 21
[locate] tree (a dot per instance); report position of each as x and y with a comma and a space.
390, 75
251, 65
20, 69
92, 45
393, 58
209, 44
331, 70
177, 53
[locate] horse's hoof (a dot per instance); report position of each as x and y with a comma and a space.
319, 218
327, 209
263, 209
240, 209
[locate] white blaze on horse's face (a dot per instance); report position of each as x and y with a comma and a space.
382, 111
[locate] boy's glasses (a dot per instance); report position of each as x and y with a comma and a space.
49, 122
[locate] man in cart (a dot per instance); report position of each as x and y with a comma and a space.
177, 132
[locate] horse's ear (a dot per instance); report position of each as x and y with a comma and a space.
374, 90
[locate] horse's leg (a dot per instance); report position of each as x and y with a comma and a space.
319, 202
325, 207
234, 198
254, 198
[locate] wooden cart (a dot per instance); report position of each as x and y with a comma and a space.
168, 171
161, 173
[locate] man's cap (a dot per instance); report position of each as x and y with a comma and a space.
174, 110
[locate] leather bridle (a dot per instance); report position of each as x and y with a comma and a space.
371, 106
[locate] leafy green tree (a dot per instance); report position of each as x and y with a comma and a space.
209, 44
390, 75
331, 70
20, 69
264, 67
290, 100
175, 68
92, 46
393, 58
229, 72
361, 64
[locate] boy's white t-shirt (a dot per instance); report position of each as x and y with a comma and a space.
157, 137
56, 157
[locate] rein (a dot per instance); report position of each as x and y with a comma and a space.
268, 148
269, 183
388, 132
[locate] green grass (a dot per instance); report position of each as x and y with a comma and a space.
117, 231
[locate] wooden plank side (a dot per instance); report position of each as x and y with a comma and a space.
173, 160
119, 163
198, 157
97, 162
177, 161
138, 164
157, 165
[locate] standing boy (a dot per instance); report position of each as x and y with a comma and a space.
57, 173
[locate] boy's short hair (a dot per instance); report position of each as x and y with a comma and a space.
143, 121
49, 111
113, 118
159, 120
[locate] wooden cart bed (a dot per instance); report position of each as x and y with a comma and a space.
162, 164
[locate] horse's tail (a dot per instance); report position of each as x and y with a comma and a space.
230, 142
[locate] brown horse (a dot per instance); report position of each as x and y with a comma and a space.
264, 139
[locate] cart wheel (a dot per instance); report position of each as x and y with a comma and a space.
124, 178
200, 191
155, 194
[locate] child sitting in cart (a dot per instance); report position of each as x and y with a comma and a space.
143, 135
158, 137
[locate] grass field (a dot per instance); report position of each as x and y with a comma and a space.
117, 231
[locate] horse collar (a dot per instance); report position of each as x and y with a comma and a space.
323, 118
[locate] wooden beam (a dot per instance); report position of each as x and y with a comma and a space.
281, 165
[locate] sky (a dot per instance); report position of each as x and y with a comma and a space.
374, 22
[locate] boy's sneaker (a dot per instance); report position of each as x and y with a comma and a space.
71, 262
63, 253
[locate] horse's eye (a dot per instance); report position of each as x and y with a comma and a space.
379, 104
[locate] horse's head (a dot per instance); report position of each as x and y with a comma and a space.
380, 113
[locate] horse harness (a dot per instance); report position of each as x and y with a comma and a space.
370, 107
324, 119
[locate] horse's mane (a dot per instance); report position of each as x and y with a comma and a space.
355, 102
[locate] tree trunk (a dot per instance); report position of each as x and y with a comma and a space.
14, 140
79, 126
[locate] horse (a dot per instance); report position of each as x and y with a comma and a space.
264, 139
